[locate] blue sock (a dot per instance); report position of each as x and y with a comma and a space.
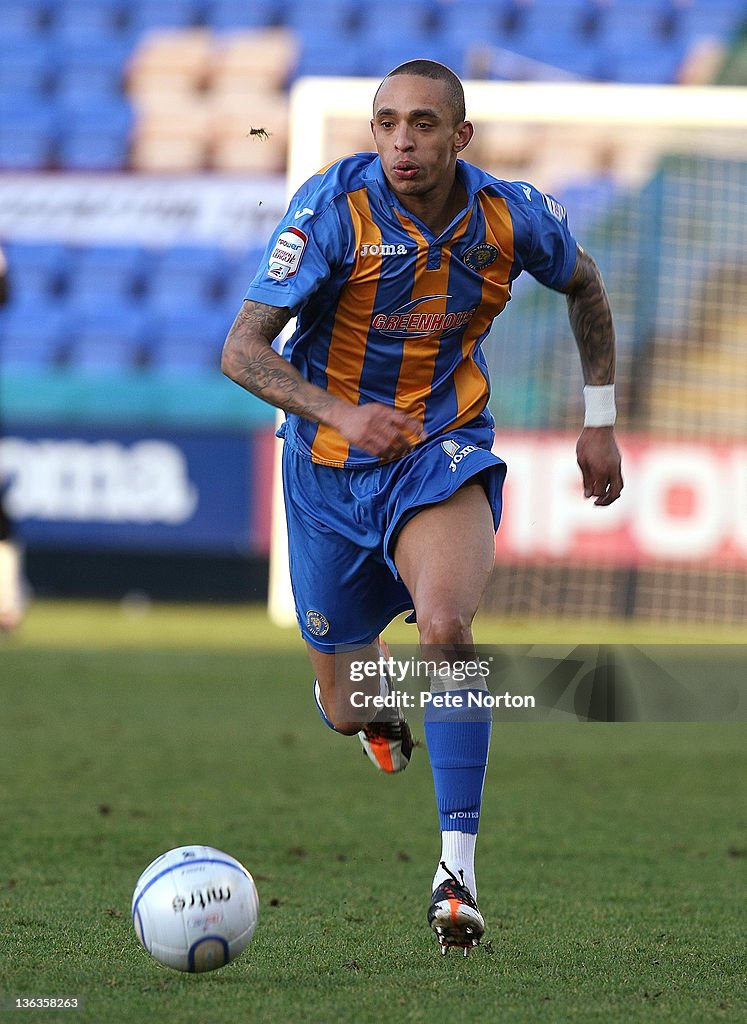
458, 742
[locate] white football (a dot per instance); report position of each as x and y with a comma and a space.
195, 908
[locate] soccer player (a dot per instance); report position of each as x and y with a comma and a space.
395, 264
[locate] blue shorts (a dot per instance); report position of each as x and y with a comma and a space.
343, 525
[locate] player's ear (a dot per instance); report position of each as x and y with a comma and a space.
463, 135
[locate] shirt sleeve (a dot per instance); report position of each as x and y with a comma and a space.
549, 248
300, 257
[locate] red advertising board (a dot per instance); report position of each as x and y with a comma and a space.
684, 502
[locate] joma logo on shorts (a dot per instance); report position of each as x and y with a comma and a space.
457, 454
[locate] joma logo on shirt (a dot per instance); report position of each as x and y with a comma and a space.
384, 249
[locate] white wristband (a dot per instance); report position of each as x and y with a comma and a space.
599, 403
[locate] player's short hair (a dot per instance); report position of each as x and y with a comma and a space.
432, 69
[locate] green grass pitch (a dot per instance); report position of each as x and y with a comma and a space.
612, 859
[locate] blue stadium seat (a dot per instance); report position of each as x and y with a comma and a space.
237, 14
330, 43
110, 341
28, 129
27, 68
336, 18
145, 15
85, 72
103, 275
37, 271
186, 276
31, 337
714, 20
93, 149
188, 342
329, 55
241, 267
471, 21
96, 136
647, 64
377, 60
98, 21
408, 21
22, 20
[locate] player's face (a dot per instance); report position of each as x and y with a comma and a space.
416, 135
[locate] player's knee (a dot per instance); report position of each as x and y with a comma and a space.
444, 625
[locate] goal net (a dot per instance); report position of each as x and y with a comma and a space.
655, 183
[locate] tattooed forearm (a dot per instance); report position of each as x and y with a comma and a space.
249, 360
270, 377
591, 321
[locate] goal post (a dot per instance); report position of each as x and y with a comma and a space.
655, 181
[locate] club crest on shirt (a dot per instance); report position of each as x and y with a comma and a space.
285, 257
316, 623
481, 256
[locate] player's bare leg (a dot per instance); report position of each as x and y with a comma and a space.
384, 732
445, 555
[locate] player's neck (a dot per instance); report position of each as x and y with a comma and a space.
437, 209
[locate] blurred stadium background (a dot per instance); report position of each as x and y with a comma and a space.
145, 154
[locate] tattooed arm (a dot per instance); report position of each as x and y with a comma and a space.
249, 360
591, 321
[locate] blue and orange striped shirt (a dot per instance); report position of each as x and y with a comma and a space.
386, 310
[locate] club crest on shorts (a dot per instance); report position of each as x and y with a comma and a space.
481, 256
316, 623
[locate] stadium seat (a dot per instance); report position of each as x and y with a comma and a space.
409, 20
27, 68
334, 18
146, 15
384, 48
112, 340
472, 22
98, 21
23, 20
237, 14
28, 130
96, 136
183, 343
234, 115
178, 60
241, 270
37, 271
93, 149
32, 337
103, 275
155, 151
84, 72
170, 131
186, 276
264, 58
